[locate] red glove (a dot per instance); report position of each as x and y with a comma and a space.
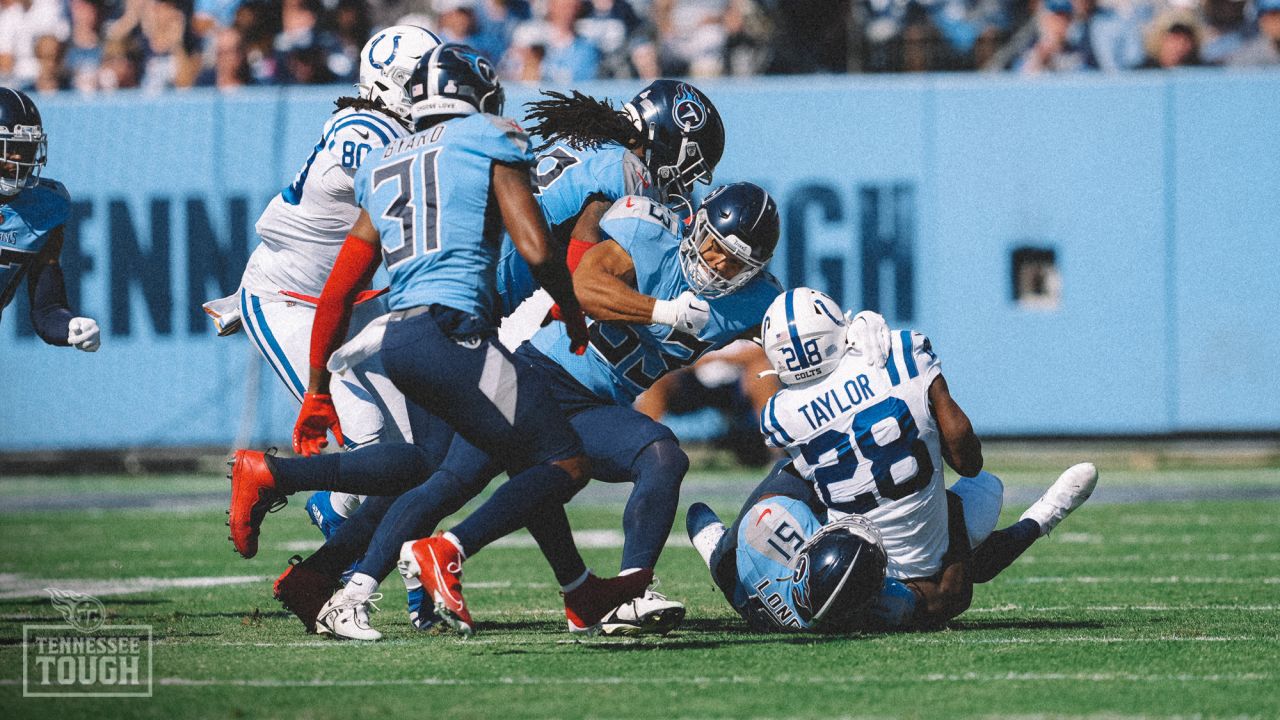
575, 323
316, 418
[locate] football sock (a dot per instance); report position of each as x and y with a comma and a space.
349, 541
415, 515
577, 583
511, 506
360, 587
1001, 548
550, 528
379, 469
344, 503
657, 472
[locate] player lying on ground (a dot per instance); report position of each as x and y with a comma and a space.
661, 294
587, 167
33, 211
869, 442
301, 232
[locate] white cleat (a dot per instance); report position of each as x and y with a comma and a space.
649, 614
1067, 493
705, 530
346, 618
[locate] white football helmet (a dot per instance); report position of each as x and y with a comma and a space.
387, 61
803, 334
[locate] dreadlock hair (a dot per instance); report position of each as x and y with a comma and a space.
361, 103
581, 121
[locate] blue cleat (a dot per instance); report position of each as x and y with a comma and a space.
422, 613
320, 510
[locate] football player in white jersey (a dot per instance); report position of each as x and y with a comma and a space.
871, 440
301, 232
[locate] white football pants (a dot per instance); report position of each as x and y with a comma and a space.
369, 406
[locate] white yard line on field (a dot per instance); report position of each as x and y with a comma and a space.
20, 586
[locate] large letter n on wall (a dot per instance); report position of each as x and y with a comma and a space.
132, 265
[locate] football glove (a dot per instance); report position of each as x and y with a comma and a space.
575, 323
83, 334
688, 313
868, 335
316, 418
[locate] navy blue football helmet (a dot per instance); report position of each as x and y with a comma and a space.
454, 80
23, 144
739, 221
839, 573
682, 132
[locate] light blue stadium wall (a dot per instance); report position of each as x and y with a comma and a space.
1160, 195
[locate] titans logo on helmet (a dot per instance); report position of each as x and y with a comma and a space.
688, 111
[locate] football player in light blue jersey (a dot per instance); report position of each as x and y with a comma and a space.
659, 144
433, 206
32, 213
661, 295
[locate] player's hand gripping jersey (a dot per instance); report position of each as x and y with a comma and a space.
304, 226
25, 223
565, 180
624, 360
439, 236
867, 441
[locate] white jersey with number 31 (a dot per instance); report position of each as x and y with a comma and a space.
866, 439
304, 226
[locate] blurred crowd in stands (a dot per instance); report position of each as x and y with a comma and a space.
98, 45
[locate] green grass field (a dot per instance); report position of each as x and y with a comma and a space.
1136, 607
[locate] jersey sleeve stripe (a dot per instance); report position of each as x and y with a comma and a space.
908, 354
348, 122
386, 124
891, 367
773, 418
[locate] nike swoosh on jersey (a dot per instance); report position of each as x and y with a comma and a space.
362, 133
766, 512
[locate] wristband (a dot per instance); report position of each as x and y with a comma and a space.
665, 312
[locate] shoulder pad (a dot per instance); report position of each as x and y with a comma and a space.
638, 207
55, 187
636, 176
511, 130
363, 126
912, 353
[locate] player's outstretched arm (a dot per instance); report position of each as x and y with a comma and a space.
961, 447
353, 271
51, 316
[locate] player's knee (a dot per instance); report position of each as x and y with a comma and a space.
663, 462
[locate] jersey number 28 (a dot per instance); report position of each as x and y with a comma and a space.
861, 444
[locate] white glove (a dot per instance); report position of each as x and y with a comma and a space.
868, 335
82, 334
688, 313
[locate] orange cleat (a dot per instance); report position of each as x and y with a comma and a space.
253, 495
303, 592
586, 605
438, 564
